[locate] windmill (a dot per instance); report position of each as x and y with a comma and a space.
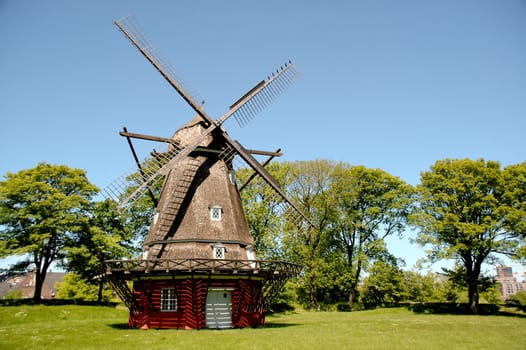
198, 267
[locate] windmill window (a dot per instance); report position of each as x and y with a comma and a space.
216, 212
168, 299
219, 251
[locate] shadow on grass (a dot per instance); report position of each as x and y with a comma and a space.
279, 325
54, 302
462, 309
119, 326
511, 314
124, 326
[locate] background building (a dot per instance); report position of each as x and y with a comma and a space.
25, 285
508, 283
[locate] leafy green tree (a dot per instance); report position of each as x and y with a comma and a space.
384, 284
276, 231
517, 300
263, 210
469, 211
515, 197
352, 210
369, 205
107, 236
41, 209
74, 286
311, 246
424, 288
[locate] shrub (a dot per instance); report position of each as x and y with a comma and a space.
13, 297
517, 300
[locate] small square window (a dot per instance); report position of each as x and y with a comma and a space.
219, 252
168, 299
215, 213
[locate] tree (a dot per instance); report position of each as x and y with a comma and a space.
469, 211
276, 233
107, 236
515, 197
308, 186
263, 210
369, 205
517, 300
74, 286
41, 209
425, 288
384, 285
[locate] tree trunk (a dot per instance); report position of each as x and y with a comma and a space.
473, 265
352, 297
312, 294
473, 284
354, 284
473, 294
101, 285
313, 300
40, 276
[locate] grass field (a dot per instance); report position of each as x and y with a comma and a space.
91, 327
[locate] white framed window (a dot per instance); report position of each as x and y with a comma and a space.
168, 299
216, 212
219, 251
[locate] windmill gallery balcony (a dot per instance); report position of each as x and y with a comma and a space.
262, 268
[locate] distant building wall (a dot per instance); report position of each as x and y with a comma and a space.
508, 284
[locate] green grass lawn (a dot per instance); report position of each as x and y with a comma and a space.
91, 327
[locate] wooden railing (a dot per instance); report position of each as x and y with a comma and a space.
202, 265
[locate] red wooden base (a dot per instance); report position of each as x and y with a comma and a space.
247, 302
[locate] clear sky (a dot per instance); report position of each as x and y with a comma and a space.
395, 85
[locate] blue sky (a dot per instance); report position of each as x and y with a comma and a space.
387, 84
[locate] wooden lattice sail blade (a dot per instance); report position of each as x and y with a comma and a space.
133, 179
282, 208
255, 100
167, 166
132, 30
239, 150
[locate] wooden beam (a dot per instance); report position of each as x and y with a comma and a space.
254, 174
148, 137
265, 153
154, 200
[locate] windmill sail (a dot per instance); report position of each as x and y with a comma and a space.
288, 208
131, 186
133, 178
269, 179
133, 31
243, 110
253, 102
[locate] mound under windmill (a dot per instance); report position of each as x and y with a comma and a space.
198, 267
